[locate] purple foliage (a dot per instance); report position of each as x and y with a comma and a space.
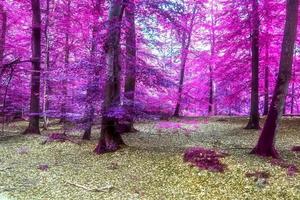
206, 159
43, 167
57, 137
296, 149
117, 112
291, 169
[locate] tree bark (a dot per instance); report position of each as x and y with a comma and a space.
94, 73
266, 142
110, 139
184, 54
254, 113
130, 77
293, 92
47, 66
267, 70
66, 67
211, 106
185, 45
3, 16
33, 127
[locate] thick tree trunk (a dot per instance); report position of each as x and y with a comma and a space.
33, 127
111, 139
265, 145
47, 66
94, 73
3, 24
254, 113
130, 78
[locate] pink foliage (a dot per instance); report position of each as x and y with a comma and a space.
57, 137
291, 169
206, 159
296, 149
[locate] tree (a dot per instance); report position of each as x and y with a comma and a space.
254, 110
3, 24
110, 139
33, 127
267, 69
93, 84
186, 36
265, 145
66, 64
47, 66
212, 106
130, 62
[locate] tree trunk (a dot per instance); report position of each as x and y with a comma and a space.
293, 92
266, 142
184, 54
267, 70
66, 67
254, 114
33, 127
3, 16
110, 139
130, 79
211, 107
94, 73
266, 96
47, 66
185, 45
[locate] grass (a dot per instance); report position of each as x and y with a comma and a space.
151, 167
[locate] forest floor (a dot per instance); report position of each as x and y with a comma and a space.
150, 167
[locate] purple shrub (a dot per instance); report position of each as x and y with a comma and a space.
206, 159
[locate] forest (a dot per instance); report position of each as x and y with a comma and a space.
149, 99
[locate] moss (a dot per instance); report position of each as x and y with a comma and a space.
150, 168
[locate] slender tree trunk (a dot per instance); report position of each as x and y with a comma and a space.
33, 127
94, 73
47, 66
130, 77
266, 96
211, 107
3, 24
267, 70
185, 45
266, 142
3, 17
293, 92
254, 114
66, 67
184, 54
110, 139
